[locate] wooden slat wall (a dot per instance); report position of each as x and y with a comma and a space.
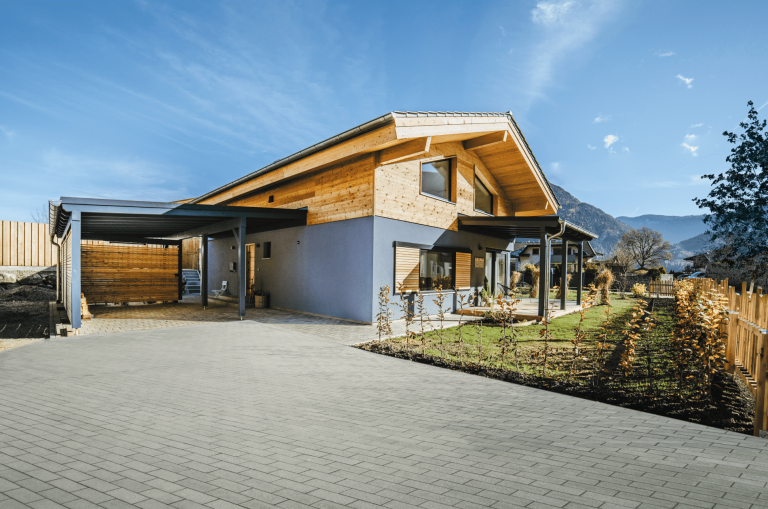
398, 190
129, 273
25, 244
190, 253
463, 270
407, 268
343, 191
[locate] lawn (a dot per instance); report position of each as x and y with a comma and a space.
480, 344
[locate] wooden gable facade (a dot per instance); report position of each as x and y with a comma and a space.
378, 173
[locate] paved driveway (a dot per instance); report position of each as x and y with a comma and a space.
254, 415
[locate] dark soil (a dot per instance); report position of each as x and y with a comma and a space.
24, 312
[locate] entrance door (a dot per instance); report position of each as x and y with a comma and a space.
250, 271
496, 270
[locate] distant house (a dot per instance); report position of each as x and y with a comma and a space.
530, 252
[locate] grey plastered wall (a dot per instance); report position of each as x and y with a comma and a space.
387, 231
328, 272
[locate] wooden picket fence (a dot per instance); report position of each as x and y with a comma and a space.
26, 245
661, 288
747, 344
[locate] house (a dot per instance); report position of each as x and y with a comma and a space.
409, 200
530, 252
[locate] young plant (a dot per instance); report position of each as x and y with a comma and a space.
479, 330
407, 314
599, 371
632, 336
580, 335
462, 300
384, 317
439, 300
421, 311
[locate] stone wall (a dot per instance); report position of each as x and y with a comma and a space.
37, 276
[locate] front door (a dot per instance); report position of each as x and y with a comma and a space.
250, 271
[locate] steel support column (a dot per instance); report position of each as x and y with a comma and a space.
579, 272
74, 299
564, 274
241, 267
181, 272
204, 271
543, 268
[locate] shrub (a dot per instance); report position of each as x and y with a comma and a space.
638, 290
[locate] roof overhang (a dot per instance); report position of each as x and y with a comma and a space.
510, 228
161, 222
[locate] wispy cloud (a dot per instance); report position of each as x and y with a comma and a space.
692, 149
690, 137
555, 167
687, 81
696, 125
625, 149
7, 132
590, 147
664, 54
561, 29
601, 118
610, 140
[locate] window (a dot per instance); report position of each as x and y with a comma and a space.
435, 270
267, 250
483, 198
271, 198
535, 250
436, 179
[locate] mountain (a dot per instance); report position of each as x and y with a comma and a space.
686, 233
674, 228
591, 218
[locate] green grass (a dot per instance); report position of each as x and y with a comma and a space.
488, 351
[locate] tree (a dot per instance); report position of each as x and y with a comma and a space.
738, 201
622, 259
646, 246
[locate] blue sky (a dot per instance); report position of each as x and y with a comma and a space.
623, 103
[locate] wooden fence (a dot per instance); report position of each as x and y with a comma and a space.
26, 245
661, 289
190, 256
747, 344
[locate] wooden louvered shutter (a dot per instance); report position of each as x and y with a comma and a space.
463, 270
407, 268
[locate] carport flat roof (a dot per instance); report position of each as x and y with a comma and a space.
524, 227
144, 221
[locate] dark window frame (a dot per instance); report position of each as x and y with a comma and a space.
266, 250
451, 169
474, 195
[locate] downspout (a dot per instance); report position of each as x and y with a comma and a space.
549, 262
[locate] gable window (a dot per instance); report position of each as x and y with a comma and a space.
535, 250
267, 250
483, 197
436, 179
435, 270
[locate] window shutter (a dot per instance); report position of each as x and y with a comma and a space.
407, 268
463, 270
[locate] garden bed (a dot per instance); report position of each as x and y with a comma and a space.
24, 312
650, 386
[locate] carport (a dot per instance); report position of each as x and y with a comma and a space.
73, 220
545, 228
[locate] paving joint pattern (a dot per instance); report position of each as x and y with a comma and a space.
250, 415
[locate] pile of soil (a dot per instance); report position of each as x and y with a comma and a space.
24, 293
24, 311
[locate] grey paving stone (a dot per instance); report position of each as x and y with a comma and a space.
259, 414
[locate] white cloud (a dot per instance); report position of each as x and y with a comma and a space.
696, 125
8, 132
625, 149
601, 118
503, 32
687, 81
692, 149
690, 137
561, 28
610, 140
664, 54
590, 147
555, 167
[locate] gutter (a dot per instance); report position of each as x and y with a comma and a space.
372, 125
563, 224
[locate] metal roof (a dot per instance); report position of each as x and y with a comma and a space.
367, 127
524, 227
141, 221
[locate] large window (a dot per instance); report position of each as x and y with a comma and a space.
435, 270
436, 179
483, 197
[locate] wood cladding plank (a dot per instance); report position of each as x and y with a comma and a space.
407, 268
343, 191
129, 273
463, 270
